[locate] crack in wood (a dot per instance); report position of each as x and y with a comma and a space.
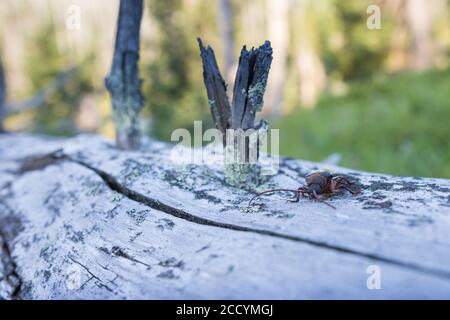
100, 283
119, 252
10, 276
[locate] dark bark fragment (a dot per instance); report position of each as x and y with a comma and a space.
258, 84
249, 87
216, 88
243, 78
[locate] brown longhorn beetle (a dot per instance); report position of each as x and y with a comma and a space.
317, 183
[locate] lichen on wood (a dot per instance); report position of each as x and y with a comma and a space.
241, 157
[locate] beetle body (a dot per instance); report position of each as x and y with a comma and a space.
317, 183
320, 182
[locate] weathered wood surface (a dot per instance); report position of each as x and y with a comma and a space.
137, 225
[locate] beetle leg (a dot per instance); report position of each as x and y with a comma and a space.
300, 191
345, 180
347, 188
316, 198
296, 197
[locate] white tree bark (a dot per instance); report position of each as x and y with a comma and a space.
90, 221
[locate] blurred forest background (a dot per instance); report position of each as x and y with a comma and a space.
378, 97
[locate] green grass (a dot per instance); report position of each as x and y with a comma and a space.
398, 124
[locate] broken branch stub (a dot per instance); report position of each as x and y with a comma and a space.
216, 89
242, 137
250, 85
257, 86
123, 82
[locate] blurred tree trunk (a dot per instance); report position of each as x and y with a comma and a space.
312, 76
310, 69
419, 20
278, 34
397, 58
169, 71
225, 19
2, 96
123, 81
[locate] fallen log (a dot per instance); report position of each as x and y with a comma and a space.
80, 219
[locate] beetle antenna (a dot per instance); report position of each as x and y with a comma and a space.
316, 197
326, 203
268, 191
